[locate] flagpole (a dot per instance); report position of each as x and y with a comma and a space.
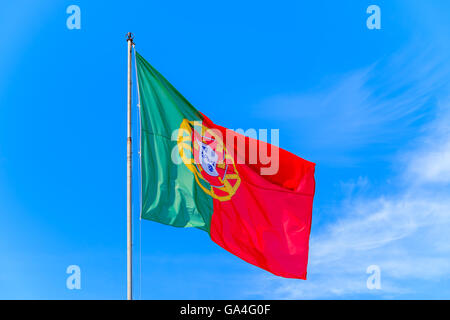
129, 162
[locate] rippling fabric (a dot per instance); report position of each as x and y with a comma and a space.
264, 219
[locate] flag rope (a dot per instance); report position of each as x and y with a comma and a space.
138, 114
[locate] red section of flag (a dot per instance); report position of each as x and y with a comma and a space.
267, 221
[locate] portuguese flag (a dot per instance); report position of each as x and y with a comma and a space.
254, 199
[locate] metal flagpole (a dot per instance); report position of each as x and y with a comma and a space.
129, 159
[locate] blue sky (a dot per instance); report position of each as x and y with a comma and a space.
370, 107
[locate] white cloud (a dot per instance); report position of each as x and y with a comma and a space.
406, 228
431, 162
406, 234
378, 105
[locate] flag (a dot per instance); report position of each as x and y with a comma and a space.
254, 199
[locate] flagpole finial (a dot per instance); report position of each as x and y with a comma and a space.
130, 37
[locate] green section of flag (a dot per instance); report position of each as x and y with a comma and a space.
170, 194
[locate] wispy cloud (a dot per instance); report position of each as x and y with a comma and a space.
430, 164
406, 234
378, 105
405, 228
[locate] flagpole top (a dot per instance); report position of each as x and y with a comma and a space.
130, 37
